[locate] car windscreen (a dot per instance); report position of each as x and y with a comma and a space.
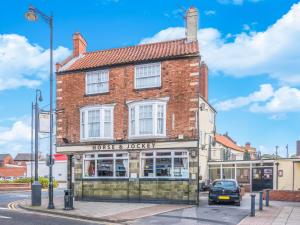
224, 184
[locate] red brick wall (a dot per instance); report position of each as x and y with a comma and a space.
12, 172
278, 195
180, 80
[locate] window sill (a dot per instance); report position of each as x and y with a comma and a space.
96, 94
96, 139
147, 89
147, 137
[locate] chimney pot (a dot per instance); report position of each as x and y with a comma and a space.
192, 18
79, 44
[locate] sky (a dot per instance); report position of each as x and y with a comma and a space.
251, 47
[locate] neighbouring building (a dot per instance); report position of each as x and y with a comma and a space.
8, 169
22, 158
59, 169
129, 116
5, 159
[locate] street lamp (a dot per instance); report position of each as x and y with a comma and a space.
36, 189
32, 15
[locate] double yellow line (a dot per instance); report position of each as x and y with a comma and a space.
13, 205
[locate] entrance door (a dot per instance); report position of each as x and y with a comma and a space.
262, 178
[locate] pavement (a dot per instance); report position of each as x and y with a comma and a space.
103, 211
278, 213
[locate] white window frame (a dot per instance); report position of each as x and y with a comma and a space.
94, 73
136, 106
154, 157
102, 108
145, 65
114, 158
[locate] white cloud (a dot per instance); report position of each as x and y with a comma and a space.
23, 64
285, 99
266, 100
16, 138
274, 52
210, 12
265, 93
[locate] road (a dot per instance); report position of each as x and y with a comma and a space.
22, 217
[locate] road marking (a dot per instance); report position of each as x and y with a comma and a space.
5, 217
3, 208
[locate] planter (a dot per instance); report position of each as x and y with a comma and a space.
15, 186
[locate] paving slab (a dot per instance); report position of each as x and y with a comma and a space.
104, 211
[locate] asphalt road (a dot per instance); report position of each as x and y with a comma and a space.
22, 217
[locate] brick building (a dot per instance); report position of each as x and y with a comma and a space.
5, 159
22, 158
129, 116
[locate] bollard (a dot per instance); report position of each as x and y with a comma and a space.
260, 200
252, 205
267, 197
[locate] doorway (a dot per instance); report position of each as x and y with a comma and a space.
262, 178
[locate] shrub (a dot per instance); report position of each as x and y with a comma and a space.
45, 182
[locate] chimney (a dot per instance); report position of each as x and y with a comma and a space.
204, 80
298, 148
248, 145
79, 44
191, 24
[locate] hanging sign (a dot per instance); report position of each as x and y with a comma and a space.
44, 122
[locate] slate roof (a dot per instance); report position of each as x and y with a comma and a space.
132, 54
23, 157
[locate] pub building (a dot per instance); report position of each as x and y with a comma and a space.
127, 118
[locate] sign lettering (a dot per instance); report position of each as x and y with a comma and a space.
129, 146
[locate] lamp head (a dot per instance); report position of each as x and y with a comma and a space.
40, 98
31, 14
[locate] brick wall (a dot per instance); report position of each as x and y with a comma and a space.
180, 80
7, 160
279, 195
12, 172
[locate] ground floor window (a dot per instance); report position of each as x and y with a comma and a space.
243, 175
105, 165
164, 164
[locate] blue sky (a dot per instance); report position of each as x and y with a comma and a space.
251, 47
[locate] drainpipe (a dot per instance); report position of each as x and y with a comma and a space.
293, 176
277, 164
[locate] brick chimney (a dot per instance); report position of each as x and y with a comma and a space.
79, 44
204, 81
248, 145
191, 30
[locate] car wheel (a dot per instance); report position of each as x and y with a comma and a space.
237, 203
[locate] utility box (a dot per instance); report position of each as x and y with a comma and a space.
68, 200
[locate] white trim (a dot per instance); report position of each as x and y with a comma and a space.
90, 73
172, 156
114, 158
143, 65
136, 106
101, 108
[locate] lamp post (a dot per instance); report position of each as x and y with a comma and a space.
32, 15
36, 189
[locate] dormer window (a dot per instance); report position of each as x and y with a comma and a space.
147, 76
97, 82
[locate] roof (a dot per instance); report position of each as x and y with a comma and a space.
227, 142
132, 54
2, 156
23, 157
